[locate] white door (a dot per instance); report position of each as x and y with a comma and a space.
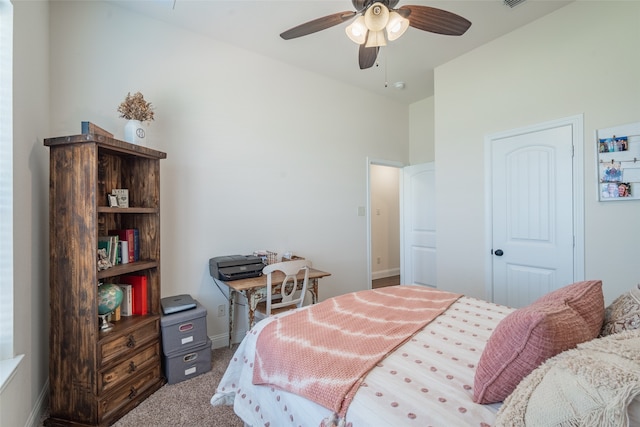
418, 225
533, 213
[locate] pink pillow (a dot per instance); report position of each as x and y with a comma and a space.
527, 337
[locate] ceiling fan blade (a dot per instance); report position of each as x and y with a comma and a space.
436, 20
367, 56
317, 25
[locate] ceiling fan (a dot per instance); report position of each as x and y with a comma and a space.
379, 21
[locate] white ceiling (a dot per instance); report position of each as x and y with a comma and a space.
255, 25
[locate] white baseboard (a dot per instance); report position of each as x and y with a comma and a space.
40, 407
381, 274
222, 340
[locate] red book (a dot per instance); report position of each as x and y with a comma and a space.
139, 288
127, 236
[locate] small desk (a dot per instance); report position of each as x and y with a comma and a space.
255, 288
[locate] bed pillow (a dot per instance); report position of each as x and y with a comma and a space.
595, 384
623, 313
530, 335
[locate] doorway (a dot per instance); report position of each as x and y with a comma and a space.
401, 224
535, 197
383, 222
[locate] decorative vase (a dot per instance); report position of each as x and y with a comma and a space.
134, 132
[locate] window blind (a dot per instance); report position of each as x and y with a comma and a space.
6, 180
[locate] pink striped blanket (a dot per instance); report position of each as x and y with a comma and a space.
324, 352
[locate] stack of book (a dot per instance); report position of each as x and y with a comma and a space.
111, 245
134, 299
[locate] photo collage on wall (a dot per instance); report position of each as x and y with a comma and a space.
611, 173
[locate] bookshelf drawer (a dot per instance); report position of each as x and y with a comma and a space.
141, 385
130, 340
113, 377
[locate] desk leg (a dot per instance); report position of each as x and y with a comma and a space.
252, 302
314, 291
232, 297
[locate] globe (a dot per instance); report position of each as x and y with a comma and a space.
109, 298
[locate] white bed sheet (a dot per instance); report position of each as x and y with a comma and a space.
428, 381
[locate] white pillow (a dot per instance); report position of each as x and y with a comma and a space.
623, 313
593, 384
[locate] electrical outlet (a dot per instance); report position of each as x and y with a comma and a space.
220, 310
378, 260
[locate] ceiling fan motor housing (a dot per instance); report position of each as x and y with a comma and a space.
360, 5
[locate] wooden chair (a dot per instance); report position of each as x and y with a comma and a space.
283, 298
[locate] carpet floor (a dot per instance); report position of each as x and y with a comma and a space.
187, 403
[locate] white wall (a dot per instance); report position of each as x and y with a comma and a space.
421, 131
582, 59
260, 155
24, 395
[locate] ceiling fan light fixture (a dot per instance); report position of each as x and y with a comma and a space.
357, 31
376, 17
376, 38
396, 26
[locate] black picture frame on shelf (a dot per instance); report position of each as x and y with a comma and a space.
113, 200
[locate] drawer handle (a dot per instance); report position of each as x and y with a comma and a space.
133, 393
132, 367
190, 357
131, 342
185, 327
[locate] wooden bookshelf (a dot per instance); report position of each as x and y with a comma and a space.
97, 376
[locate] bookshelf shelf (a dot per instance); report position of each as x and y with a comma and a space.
106, 209
91, 382
122, 269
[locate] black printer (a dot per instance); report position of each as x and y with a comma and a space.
234, 267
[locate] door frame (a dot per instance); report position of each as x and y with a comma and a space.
577, 135
378, 162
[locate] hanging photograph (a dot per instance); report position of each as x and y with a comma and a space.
614, 190
611, 172
612, 145
624, 189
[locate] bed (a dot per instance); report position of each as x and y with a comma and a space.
457, 368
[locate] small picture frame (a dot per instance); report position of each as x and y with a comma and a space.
122, 194
113, 201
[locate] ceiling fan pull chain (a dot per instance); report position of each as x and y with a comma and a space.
386, 79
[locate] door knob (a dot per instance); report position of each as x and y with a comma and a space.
498, 252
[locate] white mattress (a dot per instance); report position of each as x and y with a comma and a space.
426, 381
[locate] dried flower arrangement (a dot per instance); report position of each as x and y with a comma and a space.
134, 107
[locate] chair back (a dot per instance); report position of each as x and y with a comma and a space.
290, 284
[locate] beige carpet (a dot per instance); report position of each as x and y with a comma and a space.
186, 403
